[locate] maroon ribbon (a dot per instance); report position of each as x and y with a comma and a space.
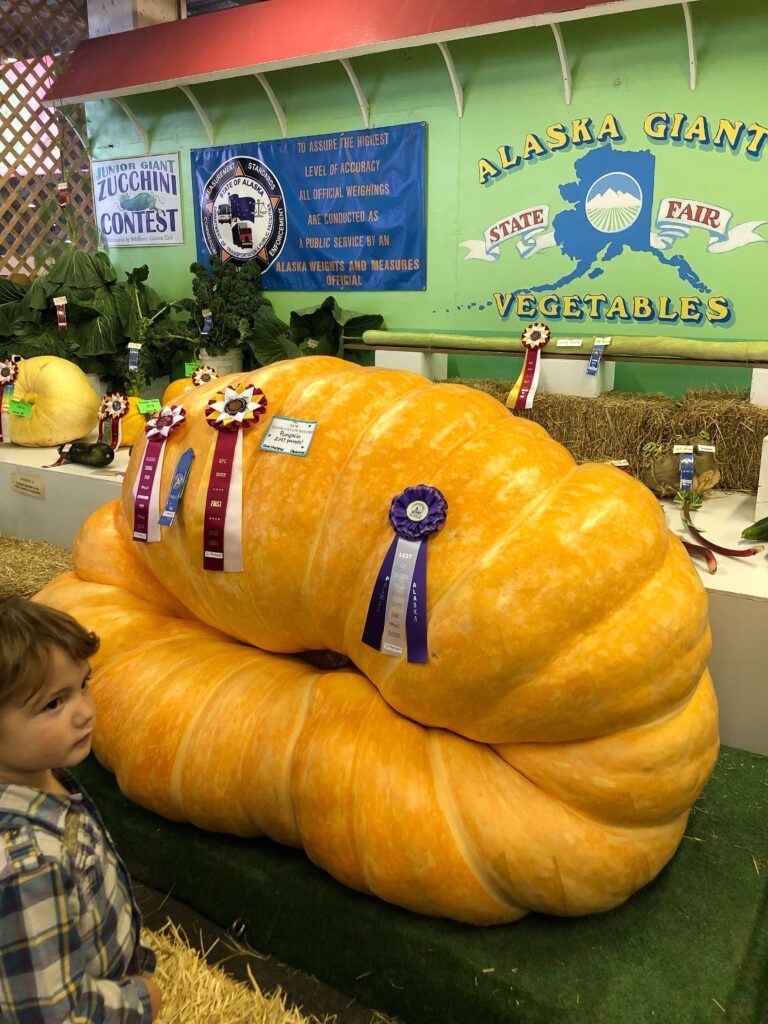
531, 358
216, 499
144, 489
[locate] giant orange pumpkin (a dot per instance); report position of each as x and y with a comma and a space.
547, 755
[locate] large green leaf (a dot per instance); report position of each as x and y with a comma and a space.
98, 337
10, 291
44, 342
272, 350
76, 268
124, 298
39, 294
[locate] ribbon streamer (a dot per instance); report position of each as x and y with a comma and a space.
229, 412
114, 407
686, 471
146, 488
534, 338
9, 371
397, 611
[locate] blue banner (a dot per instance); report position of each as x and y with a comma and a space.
344, 211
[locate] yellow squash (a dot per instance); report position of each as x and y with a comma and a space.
64, 406
547, 755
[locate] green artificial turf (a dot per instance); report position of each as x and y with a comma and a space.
691, 948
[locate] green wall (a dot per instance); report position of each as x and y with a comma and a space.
629, 65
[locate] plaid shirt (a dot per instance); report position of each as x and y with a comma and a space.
69, 926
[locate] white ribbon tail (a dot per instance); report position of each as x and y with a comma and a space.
403, 568
742, 234
534, 383
233, 521
477, 250
534, 241
667, 236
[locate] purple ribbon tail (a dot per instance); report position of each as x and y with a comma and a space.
416, 618
374, 620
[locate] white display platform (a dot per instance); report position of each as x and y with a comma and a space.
569, 377
41, 503
738, 615
433, 365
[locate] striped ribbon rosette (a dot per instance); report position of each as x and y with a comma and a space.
9, 371
203, 375
534, 338
113, 409
146, 488
397, 612
230, 412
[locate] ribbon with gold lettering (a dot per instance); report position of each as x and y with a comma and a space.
9, 371
534, 338
229, 412
146, 487
397, 611
114, 407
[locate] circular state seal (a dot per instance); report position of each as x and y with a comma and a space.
243, 213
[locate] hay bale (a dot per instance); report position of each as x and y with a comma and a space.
27, 565
194, 992
618, 424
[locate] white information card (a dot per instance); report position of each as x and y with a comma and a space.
288, 437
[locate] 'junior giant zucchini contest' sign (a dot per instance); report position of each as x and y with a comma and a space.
137, 200
613, 207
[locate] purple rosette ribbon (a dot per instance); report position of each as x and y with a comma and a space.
397, 612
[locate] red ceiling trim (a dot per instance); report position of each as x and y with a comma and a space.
281, 34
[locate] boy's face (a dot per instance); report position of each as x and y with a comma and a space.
53, 729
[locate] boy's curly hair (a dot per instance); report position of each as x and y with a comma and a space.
28, 632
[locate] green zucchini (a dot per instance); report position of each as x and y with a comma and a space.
757, 531
141, 201
96, 454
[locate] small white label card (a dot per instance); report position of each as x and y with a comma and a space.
568, 343
682, 449
29, 484
288, 437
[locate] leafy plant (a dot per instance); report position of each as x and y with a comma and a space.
103, 316
322, 330
242, 316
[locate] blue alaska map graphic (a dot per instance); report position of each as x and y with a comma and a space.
612, 211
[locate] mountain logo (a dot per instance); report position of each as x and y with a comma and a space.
614, 202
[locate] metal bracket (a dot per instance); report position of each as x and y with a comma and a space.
140, 131
205, 121
458, 92
563, 61
692, 64
364, 107
73, 126
279, 112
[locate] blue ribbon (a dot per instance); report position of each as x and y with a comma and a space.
180, 475
399, 599
207, 323
594, 360
686, 471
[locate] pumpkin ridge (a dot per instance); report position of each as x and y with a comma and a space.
290, 783
464, 843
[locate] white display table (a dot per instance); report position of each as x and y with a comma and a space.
50, 504
738, 615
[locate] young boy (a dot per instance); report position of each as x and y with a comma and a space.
69, 927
